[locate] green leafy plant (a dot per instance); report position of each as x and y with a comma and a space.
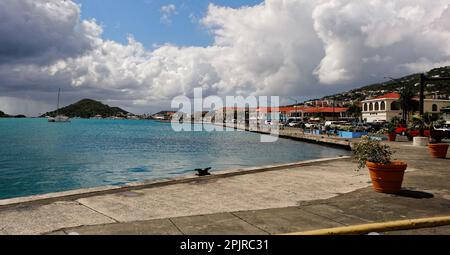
428, 121
396, 120
390, 128
424, 121
351, 128
371, 151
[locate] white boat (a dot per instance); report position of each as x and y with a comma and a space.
59, 118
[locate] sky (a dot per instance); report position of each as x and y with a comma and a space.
140, 54
154, 22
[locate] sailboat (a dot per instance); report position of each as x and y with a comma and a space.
59, 118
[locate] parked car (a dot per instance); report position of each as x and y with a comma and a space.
401, 129
445, 128
363, 126
416, 132
311, 125
443, 131
294, 124
375, 127
335, 123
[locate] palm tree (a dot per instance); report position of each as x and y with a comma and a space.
427, 121
354, 111
406, 102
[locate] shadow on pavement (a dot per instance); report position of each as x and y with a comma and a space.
414, 194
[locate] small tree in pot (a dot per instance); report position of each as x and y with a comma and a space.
428, 121
387, 175
436, 147
389, 129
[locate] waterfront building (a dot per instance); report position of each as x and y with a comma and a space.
305, 113
384, 108
323, 113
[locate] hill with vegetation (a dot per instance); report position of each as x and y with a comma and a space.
435, 88
88, 108
4, 115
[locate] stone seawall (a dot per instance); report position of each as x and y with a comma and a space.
299, 135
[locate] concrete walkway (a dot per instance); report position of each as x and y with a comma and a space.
314, 196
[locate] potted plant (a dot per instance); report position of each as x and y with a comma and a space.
421, 123
390, 131
386, 175
436, 148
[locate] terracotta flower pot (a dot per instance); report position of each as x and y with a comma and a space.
438, 150
387, 178
392, 137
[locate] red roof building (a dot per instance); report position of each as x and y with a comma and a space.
389, 96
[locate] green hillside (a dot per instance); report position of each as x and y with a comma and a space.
88, 108
440, 88
3, 115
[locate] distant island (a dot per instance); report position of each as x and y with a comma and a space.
4, 115
88, 108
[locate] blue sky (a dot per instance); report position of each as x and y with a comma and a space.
142, 19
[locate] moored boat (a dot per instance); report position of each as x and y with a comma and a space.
59, 118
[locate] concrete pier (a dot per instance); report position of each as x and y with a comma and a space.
269, 200
298, 135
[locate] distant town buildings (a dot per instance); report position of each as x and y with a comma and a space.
163, 115
325, 103
371, 105
299, 113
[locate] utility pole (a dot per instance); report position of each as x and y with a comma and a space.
334, 108
422, 94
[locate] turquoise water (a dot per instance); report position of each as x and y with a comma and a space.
37, 157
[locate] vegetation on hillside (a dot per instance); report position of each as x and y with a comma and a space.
88, 108
411, 82
4, 115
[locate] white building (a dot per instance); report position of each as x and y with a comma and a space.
386, 107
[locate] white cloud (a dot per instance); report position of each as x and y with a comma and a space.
167, 12
280, 47
399, 32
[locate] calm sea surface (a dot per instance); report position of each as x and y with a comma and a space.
37, 157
